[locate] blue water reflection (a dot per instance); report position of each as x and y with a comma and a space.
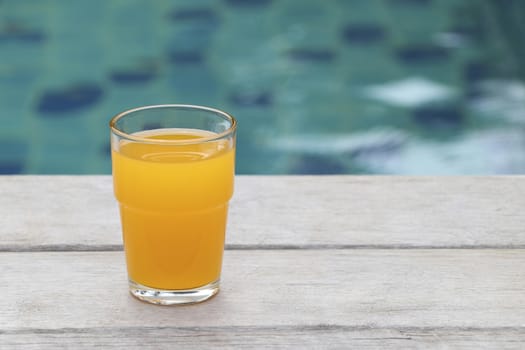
318, 87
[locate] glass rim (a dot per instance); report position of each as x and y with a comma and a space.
113, 124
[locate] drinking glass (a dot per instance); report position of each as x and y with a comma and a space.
173, 174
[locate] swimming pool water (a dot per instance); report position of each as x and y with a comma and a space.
318, 87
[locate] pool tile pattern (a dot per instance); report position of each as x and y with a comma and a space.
318, 87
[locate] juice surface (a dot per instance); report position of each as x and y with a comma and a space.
173, 203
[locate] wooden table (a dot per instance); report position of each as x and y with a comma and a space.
311, 262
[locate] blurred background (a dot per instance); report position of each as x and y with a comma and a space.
319, 87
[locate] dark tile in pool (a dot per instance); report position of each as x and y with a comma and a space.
250, 3
410, 2
476, 71
186, 57
439, 116
33, 37
71, 98
363, 33
11, 167
27, 37
425, 53
251, 99
12, 155
312, 55
194, 14
132, 76
317, 165
18, 33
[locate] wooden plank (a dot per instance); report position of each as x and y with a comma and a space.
79, 212
368, 289
312, 337
58, 210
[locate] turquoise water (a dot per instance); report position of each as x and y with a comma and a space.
348, 86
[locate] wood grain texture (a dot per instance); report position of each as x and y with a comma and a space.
301, 337
313, 262
294, 212
383, 289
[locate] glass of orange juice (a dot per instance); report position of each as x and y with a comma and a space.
173, 172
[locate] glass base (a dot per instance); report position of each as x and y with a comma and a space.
173, 297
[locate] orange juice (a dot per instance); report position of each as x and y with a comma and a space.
173, 202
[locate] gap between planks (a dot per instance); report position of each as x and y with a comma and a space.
276, 329
118, 247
